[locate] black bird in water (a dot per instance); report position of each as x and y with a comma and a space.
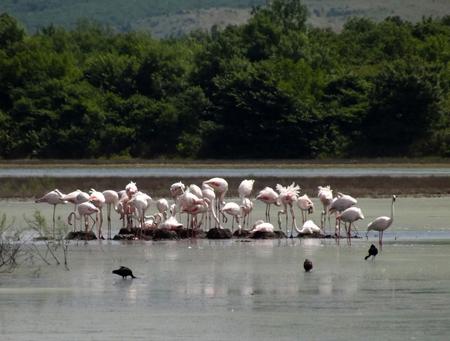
307, 265
373, 251
124, 272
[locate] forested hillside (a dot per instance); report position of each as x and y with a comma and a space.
271, 88
165, 18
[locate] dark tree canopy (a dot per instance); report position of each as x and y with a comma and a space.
271, 88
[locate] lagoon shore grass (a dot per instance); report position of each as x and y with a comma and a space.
157, 187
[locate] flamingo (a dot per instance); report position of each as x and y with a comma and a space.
131, 189
196, 209
170, 223
262, 226
140, 201
340, 204
76, 197
85, 210
220, 186
234, 210
288, 195
111, 200
98, 199
350, 215
306, 206
247, 208
325, 196
269, 197
54, 198
209, 194
245, 188
380, 224
125, 209
309, 227
162, 206
193, 188
176, 191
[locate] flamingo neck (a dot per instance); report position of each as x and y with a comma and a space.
392, 209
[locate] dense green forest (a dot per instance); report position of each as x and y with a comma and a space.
271, 88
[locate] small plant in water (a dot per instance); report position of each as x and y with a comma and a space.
10, 245
53, 246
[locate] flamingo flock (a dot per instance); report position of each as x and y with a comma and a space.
205, 207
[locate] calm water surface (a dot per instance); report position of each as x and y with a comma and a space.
234, 290
132, 171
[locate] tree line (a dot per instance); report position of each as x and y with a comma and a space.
271, 88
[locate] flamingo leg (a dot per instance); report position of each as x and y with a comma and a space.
54, 209
109, 221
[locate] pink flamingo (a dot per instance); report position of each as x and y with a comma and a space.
247, 208
111, 200
220, 186
234, 210
382, 223
306, 206
288, 195
338, 205
269, 197
85, 210
54, 198
98, 199
76, 197
350, 215
325, 195
245, 188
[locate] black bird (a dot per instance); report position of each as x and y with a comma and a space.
124, 272
373, 251
307, 265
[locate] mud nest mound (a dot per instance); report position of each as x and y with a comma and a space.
241, 234
81, 235
267, 235
216, 233
165, 234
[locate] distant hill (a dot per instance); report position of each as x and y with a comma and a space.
174, 17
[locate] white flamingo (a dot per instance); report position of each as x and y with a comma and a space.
85, 210
170, 223
220, 186
98, 199
287, 196
111, 200
247, 208
210, 195
234, 210
269, 197
382, 223
76, 197
162, 205
325, 196
141, 202
350, 215
124, 208
53, 198
309, 227
245, 188
306, 206
262, 226
338, 205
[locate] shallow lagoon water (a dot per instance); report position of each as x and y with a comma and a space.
132, 171
236, 290
232, 290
